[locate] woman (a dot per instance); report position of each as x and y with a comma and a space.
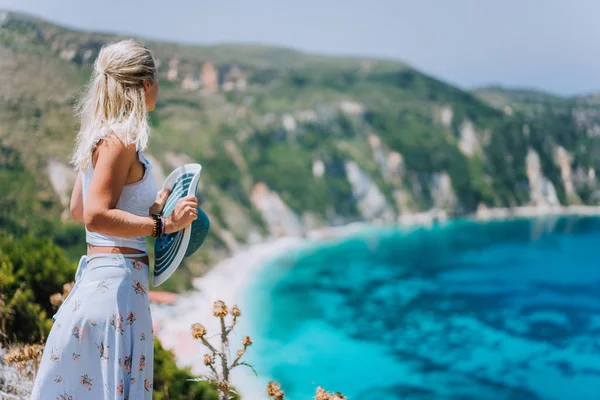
101, 344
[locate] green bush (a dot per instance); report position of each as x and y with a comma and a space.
31, 271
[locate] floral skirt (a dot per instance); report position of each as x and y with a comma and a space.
101, 344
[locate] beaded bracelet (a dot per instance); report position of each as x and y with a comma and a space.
156, 229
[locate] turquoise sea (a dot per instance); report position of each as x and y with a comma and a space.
464, 310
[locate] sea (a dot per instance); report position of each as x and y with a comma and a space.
460, 310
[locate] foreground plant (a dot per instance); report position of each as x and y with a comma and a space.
25, 358
275, 393
7, 309
220, 366
58, 298
322, 394
17, 370
217, 360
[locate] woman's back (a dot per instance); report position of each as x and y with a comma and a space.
136, 198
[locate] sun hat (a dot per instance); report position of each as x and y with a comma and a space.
171, 249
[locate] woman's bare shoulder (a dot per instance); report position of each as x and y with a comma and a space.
112, 147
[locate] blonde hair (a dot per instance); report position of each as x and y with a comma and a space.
114, 102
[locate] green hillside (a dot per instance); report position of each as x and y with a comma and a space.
290, 141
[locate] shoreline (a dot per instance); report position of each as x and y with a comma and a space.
230, 278
484, 214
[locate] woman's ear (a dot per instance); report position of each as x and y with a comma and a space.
146, 85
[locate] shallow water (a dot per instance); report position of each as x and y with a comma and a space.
501, 310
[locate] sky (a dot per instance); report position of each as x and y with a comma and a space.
551, 45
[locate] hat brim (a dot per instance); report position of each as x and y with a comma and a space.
169, 250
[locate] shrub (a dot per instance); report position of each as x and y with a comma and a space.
31, 270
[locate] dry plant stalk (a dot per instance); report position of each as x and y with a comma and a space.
219, 365
217, 361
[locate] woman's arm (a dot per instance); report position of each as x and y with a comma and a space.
77, 200
110, 174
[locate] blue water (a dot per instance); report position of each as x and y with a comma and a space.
502, 310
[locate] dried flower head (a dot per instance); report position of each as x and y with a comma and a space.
220, 309
209, 360
198, 331
67, 287
235, 311
274, 391
337, 396
322, 394
241, 352
247, 341
224, 386
56, 299
25, 353
25, 358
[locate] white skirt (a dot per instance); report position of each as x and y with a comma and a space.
101, 344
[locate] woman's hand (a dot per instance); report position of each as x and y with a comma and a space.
186, 212
159, 204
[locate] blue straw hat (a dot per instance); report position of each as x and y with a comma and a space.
170, 250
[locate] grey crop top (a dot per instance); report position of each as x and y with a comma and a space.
136, 198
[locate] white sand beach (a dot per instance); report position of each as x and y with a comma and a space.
484, 214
